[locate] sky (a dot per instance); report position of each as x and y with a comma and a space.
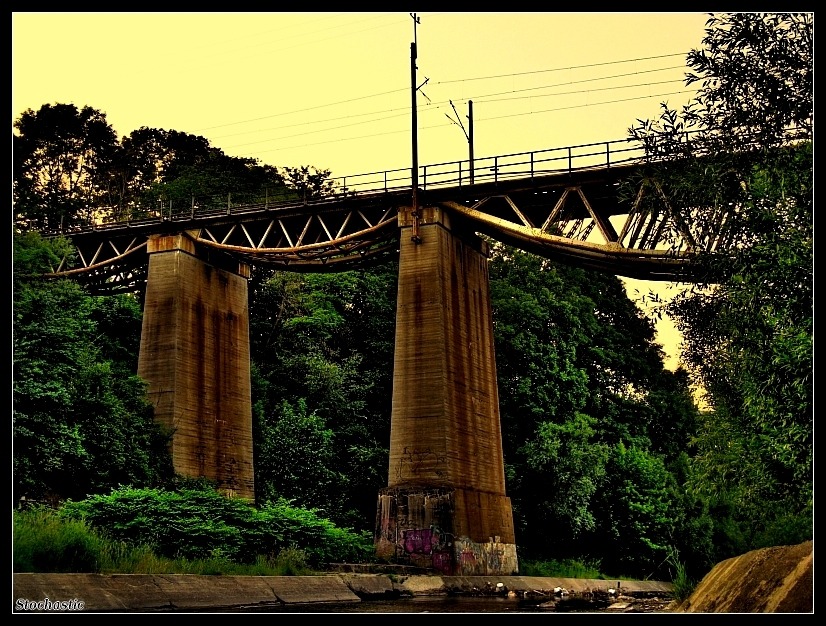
334, 90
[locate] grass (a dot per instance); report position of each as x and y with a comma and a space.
44, 543
683, 585
564, 569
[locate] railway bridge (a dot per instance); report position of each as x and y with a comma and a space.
445, 505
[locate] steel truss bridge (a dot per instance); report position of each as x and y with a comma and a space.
561, 203
586, 205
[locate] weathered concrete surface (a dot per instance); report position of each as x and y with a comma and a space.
771, 580
178, 592
195, 357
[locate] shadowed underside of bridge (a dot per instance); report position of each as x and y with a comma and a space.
445, 505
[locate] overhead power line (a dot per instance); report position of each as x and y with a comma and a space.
405, 130
478, 78
563, 69
481, 97
401, 112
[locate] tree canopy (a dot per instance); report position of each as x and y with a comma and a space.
744, 148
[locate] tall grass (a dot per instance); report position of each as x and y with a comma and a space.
683, 585
560, 569
43, 542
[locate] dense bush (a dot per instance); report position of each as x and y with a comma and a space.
199, 523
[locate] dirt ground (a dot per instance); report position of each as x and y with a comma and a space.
771, 580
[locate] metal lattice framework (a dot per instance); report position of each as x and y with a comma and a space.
538, 202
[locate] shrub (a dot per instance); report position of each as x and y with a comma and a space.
197, 522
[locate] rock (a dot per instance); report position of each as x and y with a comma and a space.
771, 580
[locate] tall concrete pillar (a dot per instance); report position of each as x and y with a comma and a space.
195, 356
445, 505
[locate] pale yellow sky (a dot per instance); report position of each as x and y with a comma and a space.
333, 90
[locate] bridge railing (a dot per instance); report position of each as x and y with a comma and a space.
528, 165
495, 168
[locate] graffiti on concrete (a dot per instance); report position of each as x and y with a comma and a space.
420, 541
414, 461
477, 559
428, 547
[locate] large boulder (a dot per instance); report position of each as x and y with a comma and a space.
770, 580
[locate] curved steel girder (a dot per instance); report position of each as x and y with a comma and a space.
106, 265
610, 257
361, 248
265, 230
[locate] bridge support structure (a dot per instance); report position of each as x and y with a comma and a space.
195, 356
445, 505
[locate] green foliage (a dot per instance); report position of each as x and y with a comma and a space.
322, 352
296, 456
749, 332
45, 543
573, 469
590, 414
198, 523
34, 256
118, 320
638, 513
81, 422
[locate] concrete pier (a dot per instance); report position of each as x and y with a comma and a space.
195, 355
445, 505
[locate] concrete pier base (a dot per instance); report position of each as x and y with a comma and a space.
433, 529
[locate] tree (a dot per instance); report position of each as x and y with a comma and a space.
638, 514
61, 158
81, 422
322, 350
743, 149
69, 170
296, 459
309, 182
170, 171
147, 157
584, 400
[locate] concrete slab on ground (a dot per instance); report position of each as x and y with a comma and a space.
181, 592
304, 589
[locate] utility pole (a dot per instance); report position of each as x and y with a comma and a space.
470, 136
468, 133
415, 168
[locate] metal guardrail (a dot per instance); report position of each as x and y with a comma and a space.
450, 174
498, 168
